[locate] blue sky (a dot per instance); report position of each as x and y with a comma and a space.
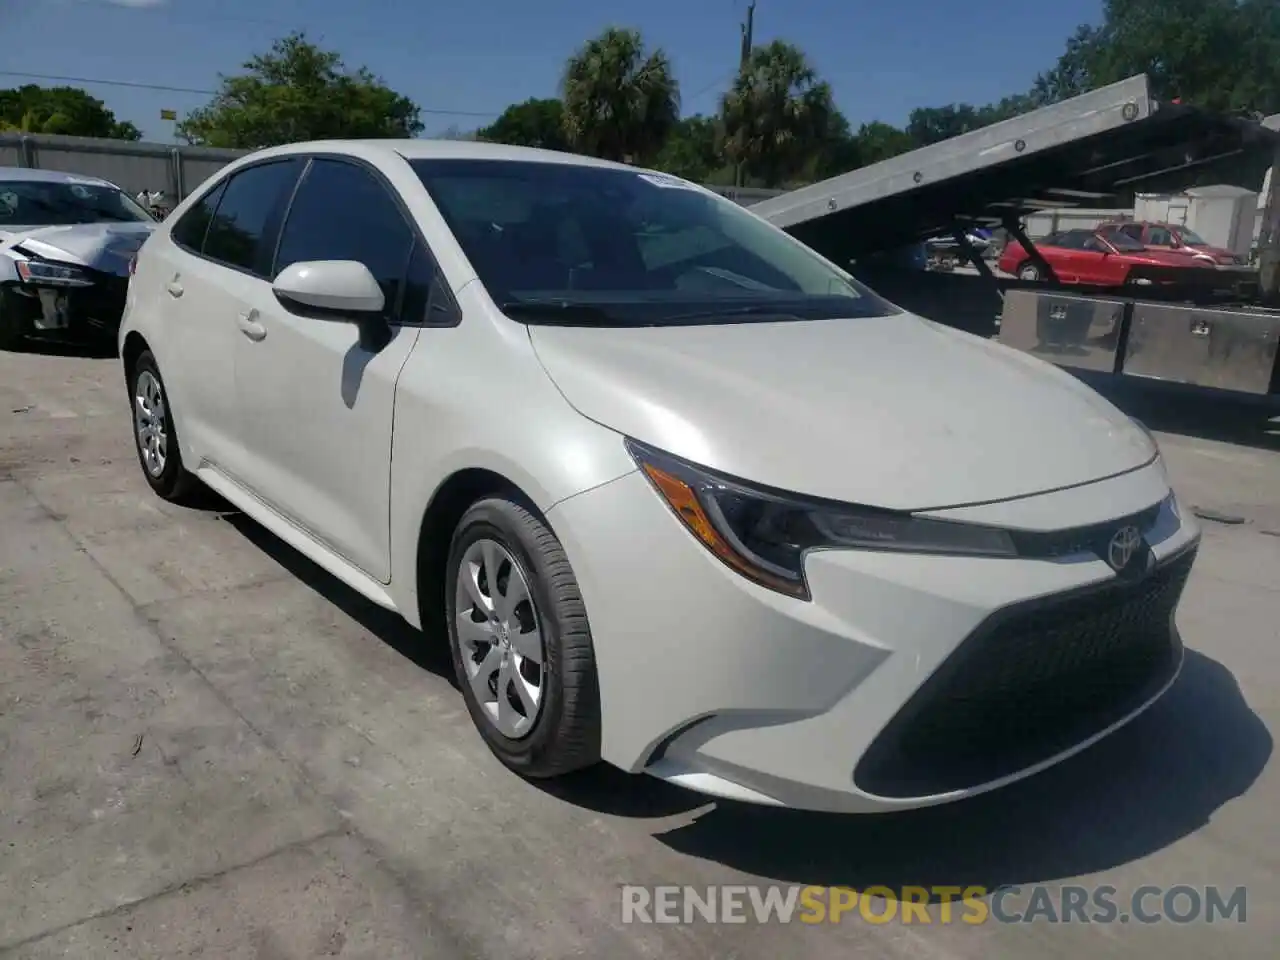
468, 60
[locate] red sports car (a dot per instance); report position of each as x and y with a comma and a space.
1088, 257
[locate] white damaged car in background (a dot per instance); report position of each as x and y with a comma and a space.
66, 246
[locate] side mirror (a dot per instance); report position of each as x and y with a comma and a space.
337, 286
341, 289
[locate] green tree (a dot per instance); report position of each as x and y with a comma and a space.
620, 100
296, 92
692, 152
1218, 54
880, 141
533, 123
776, 113
69, 111
927, 125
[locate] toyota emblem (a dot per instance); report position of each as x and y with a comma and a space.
1124, 544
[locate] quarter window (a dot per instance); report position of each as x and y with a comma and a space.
342, 212
190, 230
240, 233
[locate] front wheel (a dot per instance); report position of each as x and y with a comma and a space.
521, 645
1029, 271
154, 432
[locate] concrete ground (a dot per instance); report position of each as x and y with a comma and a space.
210, 748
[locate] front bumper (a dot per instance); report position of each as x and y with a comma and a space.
907, 681
74, 311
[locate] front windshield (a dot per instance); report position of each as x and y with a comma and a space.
581, 245
49, 203
1191, 238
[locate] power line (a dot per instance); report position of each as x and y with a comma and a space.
165, 88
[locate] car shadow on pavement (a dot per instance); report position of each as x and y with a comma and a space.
389, 627
1136, 792
1209, 415
94, 349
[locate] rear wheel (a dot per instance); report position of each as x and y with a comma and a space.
521, 645
154, 433
13, 325
1030, 271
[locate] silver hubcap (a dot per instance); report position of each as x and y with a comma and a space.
151, 423
500, 636
1029, 273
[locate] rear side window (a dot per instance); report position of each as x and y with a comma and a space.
1072, 240
241, 233
343, 212
190, 230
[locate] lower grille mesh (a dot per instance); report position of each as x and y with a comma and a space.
1030, 682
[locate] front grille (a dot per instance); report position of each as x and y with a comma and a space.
101, 304
1030, 682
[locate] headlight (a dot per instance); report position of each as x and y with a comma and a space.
764, 535
52, 274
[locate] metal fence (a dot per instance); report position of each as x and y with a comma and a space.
175, 170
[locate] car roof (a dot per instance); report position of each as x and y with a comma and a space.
13, 174
442, 150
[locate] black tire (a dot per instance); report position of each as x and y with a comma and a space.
173, 483
565, 734
1029, 271
13, 325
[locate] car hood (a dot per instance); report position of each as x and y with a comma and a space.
895, 411
1221, 254
101, 246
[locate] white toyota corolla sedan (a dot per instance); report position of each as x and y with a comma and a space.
683, 495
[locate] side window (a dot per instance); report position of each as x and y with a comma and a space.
1096, 245
240, 234
342, 212
190, 230
1160, 237
1133, 231
1071, 240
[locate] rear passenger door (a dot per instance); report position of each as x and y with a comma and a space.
315, 405
204, 278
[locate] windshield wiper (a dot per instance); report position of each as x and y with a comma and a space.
556, 311
759, 310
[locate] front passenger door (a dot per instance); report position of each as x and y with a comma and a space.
316, 405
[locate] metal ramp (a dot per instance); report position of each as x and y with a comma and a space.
1094, 150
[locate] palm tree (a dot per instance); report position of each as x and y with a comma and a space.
620, 101
776, 113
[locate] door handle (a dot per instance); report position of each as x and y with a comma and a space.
174, 288
250, 326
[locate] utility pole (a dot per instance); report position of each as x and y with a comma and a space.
748, 29
746, 35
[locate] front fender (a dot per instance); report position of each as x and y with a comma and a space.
504, 416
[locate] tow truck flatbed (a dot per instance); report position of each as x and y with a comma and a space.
1094, 150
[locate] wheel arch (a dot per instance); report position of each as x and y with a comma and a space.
448, 503
135, 345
